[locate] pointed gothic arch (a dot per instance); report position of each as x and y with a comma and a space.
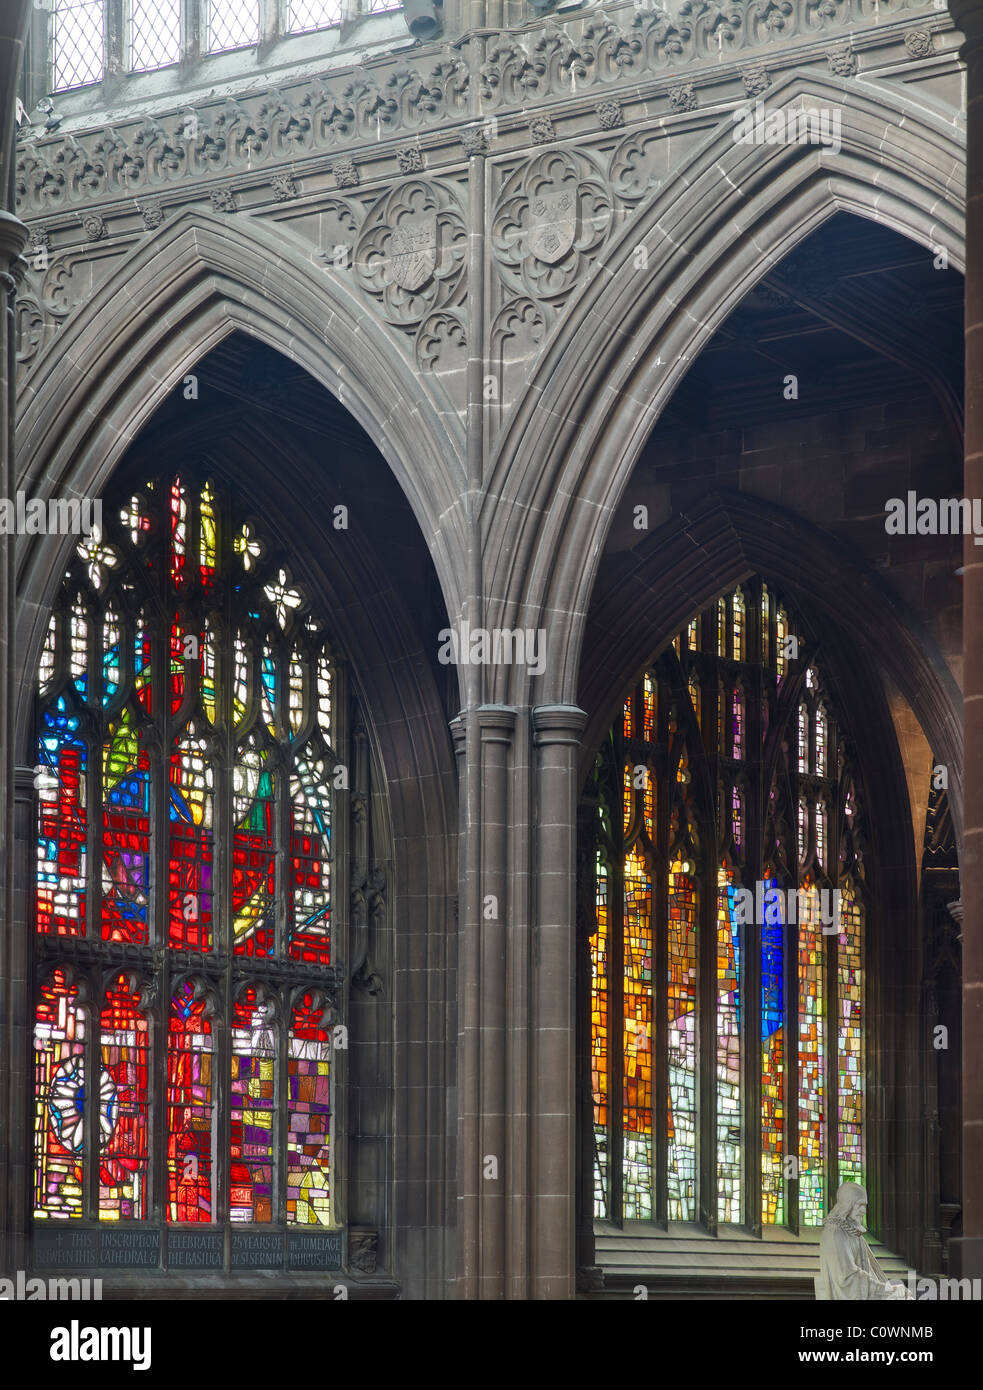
175, 297
625, 343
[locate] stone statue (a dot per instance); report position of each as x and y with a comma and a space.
847, 1269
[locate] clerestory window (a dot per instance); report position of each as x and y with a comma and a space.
85, 38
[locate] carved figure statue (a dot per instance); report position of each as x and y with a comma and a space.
847, 1269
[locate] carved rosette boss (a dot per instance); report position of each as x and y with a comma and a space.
411, 250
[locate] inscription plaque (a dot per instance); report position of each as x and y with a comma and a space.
321, 1251
195, 1250
130, 1249
66, 1249
249, 1250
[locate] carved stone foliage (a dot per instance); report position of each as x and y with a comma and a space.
283, 187
683, 97
609, 114
918, 42
410, 252
562, 59
842, 62
240, 133
551, 217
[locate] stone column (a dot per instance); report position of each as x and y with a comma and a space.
556, 734
967, 1250
484, 1170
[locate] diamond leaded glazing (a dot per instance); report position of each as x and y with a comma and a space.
78, 52
305, 15
155, 34
232, 24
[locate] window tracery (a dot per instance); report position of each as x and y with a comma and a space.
189, 737
730, 814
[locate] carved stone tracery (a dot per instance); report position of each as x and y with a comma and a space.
410, 253
552, 215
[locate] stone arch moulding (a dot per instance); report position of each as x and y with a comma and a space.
162, 309
411, 746
683, 565
718, 226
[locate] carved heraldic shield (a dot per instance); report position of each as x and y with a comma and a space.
554, 224
413, 248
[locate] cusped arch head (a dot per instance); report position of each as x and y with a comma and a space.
724, 219
645, 597
162, 309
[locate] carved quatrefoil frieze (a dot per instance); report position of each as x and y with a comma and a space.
410, 253
552, 216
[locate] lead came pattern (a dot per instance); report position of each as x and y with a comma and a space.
637, 1107
155, 34
77, 46
270, 783
232, 24
304, 15
819, 1009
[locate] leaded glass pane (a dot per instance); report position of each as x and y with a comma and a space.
232, 24
155, 34
78, 52
656, 1109
304, 15
186, 780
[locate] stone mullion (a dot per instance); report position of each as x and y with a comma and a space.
660, 968
829, 796
193, 17
557, 730
755, 802
616, 977
18, 945
223, 638
351, 842
967, 1250
114, 32
706, 989
791, 958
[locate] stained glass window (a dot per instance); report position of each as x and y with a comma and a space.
681, 907
186, 810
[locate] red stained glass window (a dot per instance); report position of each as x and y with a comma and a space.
187, 784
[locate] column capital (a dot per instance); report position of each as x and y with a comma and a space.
459, 732
23, 780
496, 722
558, 724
